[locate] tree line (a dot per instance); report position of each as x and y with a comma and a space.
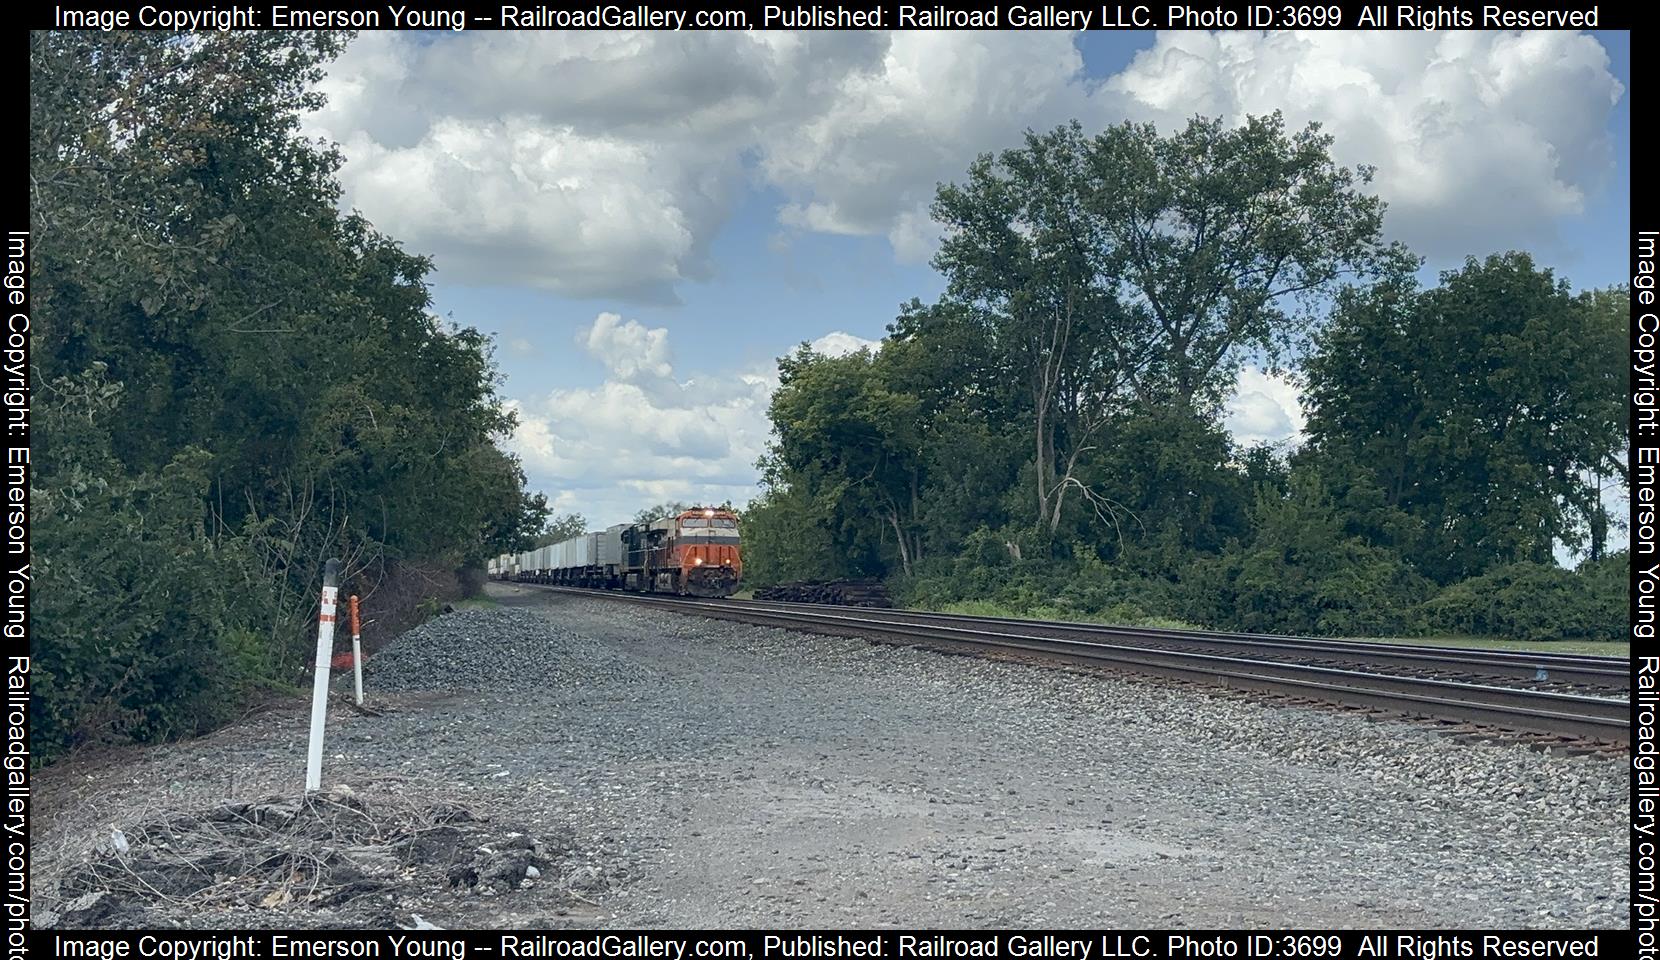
1048, 435
233, 382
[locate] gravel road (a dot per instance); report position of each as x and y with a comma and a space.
712, 774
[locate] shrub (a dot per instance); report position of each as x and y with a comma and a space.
143, 627
1535, 601
1348, 589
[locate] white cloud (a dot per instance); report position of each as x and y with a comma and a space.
869, 162
628, 348
1481, 140
513, 202
840, 343
587, 164
1264, 408
603, 164
643, 435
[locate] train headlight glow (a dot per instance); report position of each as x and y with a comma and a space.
697, 561
708, 513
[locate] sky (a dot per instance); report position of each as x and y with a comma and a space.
645, 222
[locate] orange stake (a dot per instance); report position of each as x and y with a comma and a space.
357, 651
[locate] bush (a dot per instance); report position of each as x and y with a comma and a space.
1348, 589
1535, 601
143, 627
987, 579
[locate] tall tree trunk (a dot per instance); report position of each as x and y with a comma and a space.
904, 547
1042, 464
1598, 523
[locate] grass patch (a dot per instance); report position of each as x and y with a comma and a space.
1601, 648
986, 608
476, 603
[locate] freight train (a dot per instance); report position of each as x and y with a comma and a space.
694, 554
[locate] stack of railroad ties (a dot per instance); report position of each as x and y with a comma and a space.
847, 593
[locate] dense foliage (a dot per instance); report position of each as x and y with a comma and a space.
235, 382
1047, 438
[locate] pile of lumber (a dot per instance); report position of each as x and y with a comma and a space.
846, 593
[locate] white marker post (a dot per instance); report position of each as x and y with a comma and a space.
320, 686
357, 651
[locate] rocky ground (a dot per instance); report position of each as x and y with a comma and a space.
568, 761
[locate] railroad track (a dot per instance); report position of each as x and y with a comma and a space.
1443, 683
1559, 672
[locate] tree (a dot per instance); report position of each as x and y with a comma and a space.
969, 418
1483, 409
1609, 315
1299, 572
561, 528
1176, 488
785, 537
668, 508
854, 438
1229, 239
1024, 252
283, 391
1130, 267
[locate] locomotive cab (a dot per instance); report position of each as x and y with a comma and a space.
706, 548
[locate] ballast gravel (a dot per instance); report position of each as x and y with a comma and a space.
715, 774
496, 651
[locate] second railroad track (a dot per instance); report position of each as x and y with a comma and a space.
1552, 694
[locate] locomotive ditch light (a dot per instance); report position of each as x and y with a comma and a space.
697, 561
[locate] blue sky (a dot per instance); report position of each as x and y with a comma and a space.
646, 222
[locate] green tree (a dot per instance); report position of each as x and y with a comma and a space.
969, 418
1130, 267
561, 528
787, 537
1024, 253
1230, 238
668, 508
846, 429
1177, 490
1300, 572
1482, 409
1537, 601
283, 391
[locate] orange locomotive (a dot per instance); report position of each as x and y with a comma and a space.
695, 553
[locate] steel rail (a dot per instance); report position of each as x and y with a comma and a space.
1609, 672
1535, 711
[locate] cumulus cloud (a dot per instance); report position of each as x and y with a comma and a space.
603, 164
588, 164
869, 162
644, 435
840, 343
1481, 140
1264, 408
628, 348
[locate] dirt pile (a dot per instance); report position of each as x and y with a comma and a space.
330, 859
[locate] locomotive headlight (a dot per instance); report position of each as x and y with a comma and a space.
708, 513
697, 561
